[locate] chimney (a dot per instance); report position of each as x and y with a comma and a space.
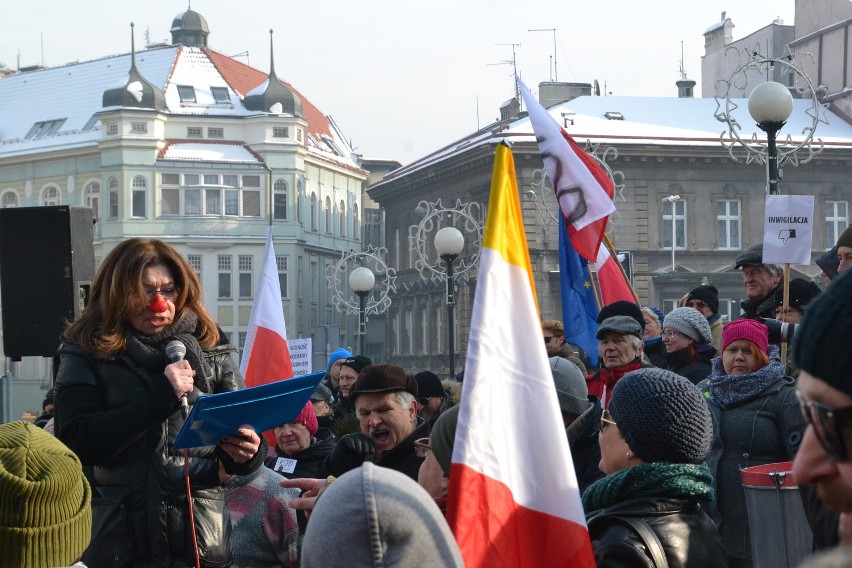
685, 88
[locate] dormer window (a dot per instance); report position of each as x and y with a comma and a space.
44, 128
187, 93
612, 115
93, 120
194, 132
220, 94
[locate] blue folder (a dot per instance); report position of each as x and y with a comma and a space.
265, 406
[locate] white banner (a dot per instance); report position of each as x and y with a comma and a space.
301, 356
788, 229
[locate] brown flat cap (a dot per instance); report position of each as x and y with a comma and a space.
382, 378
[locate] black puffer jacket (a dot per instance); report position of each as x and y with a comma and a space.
122, 421
310, 462
688, 537
761, 308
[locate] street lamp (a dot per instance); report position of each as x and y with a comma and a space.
372, 281
449, 243
672, 199
770, 105
362, 280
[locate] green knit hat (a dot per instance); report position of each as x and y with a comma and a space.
45, 501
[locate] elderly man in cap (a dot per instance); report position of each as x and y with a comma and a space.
620, 351
385, 398
824, 458
760, 280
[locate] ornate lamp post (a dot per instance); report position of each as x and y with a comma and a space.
362, 280
770, 105
371, 281
449, 243
453, 228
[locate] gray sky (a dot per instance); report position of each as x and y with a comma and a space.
403, 79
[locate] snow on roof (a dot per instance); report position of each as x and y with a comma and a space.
661, 121
74, 92
208, 152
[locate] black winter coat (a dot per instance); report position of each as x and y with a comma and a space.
122, 421
309, 462
583, 441
689, 538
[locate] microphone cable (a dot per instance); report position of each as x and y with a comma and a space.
189, 508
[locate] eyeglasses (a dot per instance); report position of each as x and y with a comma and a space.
828, 425
671, 333
606, 420
166, 293
424, 400
422, 447
697, 304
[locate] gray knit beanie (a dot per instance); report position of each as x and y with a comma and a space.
384, 518
689, 322
662, 416
571, 389
45, 500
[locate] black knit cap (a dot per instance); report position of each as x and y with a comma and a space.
801, 293
382, 378
845, 239
662, 416
829, 263
622, 308
708, 294
356, 362
428, 384
819, 343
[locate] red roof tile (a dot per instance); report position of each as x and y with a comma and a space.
243, 78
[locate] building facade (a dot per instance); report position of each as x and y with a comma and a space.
660, 147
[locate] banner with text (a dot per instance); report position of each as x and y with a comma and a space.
301, 356
788, 229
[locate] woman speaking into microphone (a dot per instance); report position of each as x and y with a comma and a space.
118, 400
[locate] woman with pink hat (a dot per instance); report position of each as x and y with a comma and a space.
756, 420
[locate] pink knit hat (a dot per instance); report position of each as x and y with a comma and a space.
308, 417
749, 329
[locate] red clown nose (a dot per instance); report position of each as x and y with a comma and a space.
158, 304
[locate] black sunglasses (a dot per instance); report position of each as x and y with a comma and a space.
828, 424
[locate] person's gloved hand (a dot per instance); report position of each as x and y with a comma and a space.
350, 452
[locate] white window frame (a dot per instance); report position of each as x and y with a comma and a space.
680, 218
139, 197
728, 223
835, 221
50, 195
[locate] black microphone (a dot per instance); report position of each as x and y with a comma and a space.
176, 351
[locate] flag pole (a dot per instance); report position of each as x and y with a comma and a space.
785, 303
611, 249
596, 284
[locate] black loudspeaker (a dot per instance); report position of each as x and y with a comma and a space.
47, 263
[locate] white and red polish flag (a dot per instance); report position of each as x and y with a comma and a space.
266, 356
513, 499
584, 192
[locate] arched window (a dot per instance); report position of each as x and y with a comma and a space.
342, 222
50, 195
328, 225
9, 199
356, 228
139, 197
112, 185
92, 197
314, 212
279, 199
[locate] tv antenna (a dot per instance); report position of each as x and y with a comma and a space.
514, 63
555, 75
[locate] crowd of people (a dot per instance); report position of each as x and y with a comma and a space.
660, 423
